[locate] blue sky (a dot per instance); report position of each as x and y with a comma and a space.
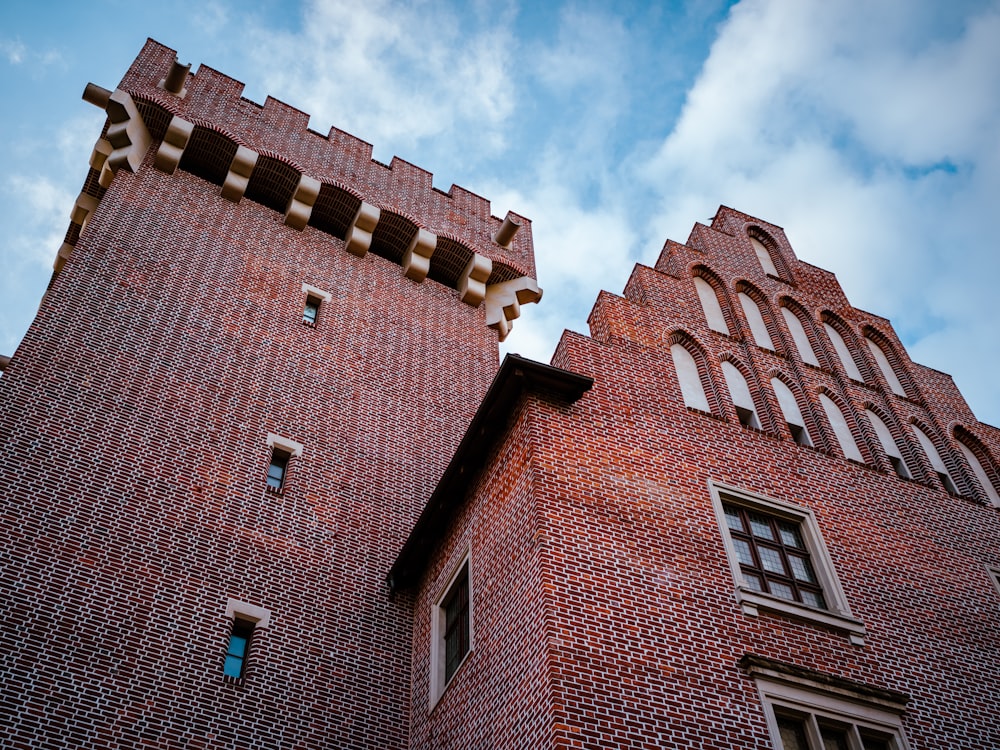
868, 129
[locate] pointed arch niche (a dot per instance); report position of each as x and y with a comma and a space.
888, 361
930, 450
739, 391
980, 463
797, 328
889, 445
791, 412
842, 349
840, 428
758, 326
708, 295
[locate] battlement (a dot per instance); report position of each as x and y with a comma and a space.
267, 153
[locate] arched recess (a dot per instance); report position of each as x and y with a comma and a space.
759, 315
208, 154
692, 372
391, 236
747, 407
272, 182
947, 478
843, 425
890, 364
891, 445
788, 401
801, 328
843, 343
768, 254
714, 302
981, 463
334, 210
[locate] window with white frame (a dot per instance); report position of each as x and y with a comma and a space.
779, 560
451, 629
809, 710
710, 305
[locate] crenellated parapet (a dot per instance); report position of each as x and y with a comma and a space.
200, 123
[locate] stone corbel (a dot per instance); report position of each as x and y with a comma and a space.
99, 162
472, 282
82, 209
417, 260
238, 177
504, 300
302, 201
359, 234
126, 133
175, 140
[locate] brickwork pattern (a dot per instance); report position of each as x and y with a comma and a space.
133, 427
645, 634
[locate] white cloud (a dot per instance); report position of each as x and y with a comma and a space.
877, 153
14, 50
396, 73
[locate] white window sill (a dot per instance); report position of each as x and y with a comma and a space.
752, 601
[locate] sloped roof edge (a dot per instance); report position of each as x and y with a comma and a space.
516, 376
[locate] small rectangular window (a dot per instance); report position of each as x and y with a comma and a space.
277, 469
747, 417
311, 312
239, 648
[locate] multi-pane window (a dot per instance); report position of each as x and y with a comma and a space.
773, 556
779, 561
456, 623
239, 647
808, 732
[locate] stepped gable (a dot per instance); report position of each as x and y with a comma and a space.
215, 99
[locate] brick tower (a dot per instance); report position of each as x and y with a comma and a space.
264, 383
257, 354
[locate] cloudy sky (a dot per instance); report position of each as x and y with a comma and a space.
868, 129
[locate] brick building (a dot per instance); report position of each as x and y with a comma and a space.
265, 485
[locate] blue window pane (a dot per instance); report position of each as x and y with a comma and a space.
237, 646
234, 666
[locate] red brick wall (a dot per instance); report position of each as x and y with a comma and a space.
133, 426
644, 632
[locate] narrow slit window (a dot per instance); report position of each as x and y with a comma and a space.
886, 367
278, 468
451, 630
840, 428
239, 648
764, 256
756, 320
980, 471
310, 314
